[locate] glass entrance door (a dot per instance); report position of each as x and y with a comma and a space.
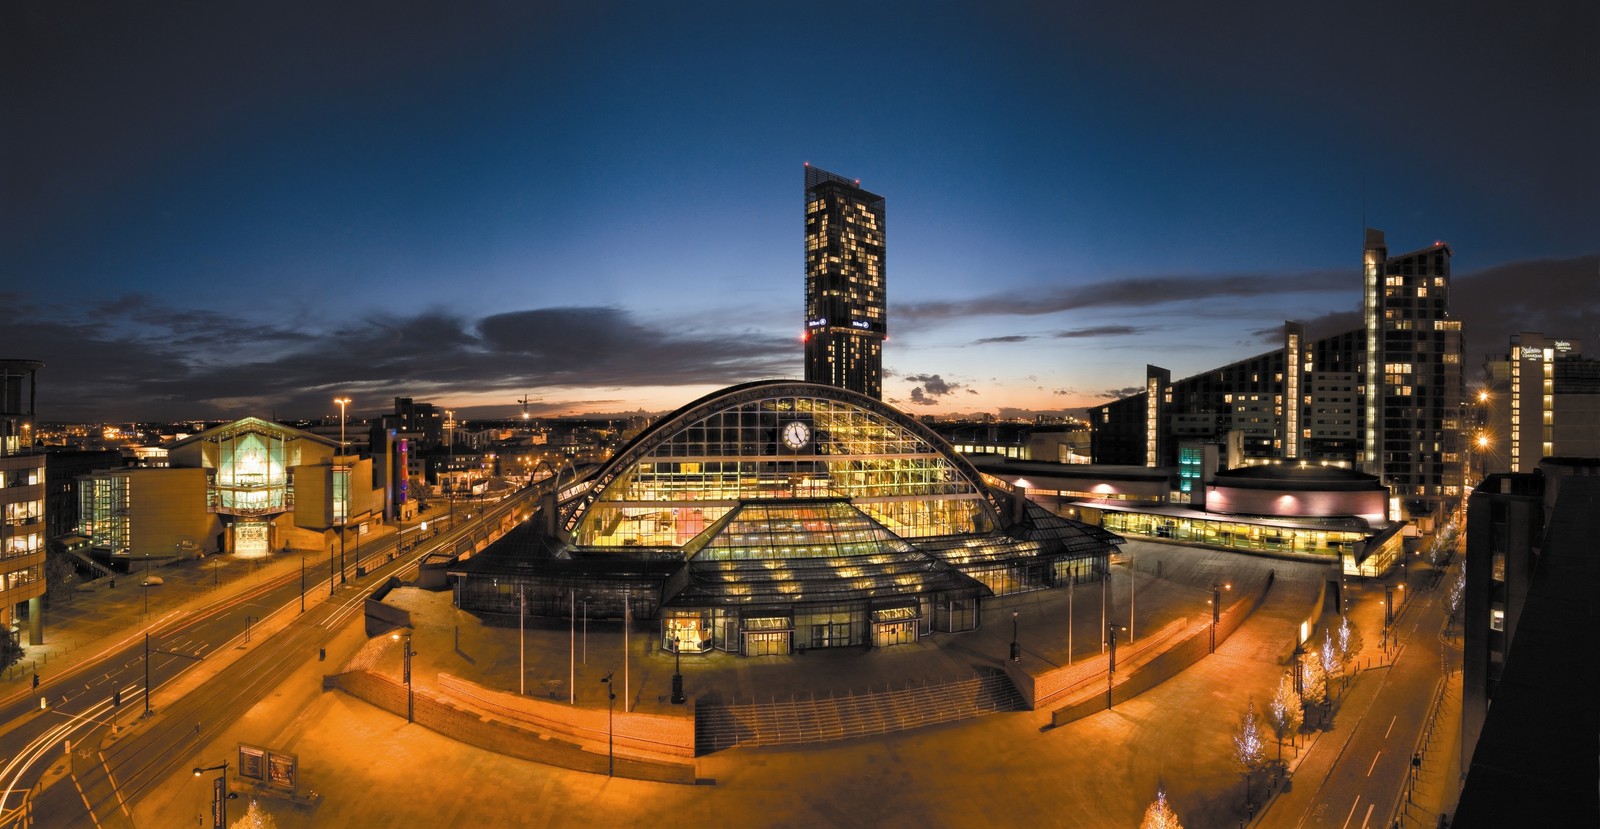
766, 644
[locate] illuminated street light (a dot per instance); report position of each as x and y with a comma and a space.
220, 795
1216, 609
410, 695
1016, 647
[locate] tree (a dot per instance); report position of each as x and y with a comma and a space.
10, 649
1160, 815
59, 573
1314, 689
1284, 713
255, 817
1458, 594
1328, 655
1249, 749
1348, 645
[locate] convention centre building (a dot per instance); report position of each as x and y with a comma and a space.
777, 516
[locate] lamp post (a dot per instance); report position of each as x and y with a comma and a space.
611, 703
1111, 665
220, 795
411, 704
677, 670
1016, 647
1216, 609
1072, 583
344, 512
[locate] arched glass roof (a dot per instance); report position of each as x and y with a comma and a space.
777, 441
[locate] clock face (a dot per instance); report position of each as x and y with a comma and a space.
796, 435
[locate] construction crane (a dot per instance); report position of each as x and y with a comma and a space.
525, 401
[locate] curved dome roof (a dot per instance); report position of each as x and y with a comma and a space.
778, 440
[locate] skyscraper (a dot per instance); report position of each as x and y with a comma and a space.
846, 322
1413, 380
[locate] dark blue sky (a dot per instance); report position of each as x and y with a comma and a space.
218, 209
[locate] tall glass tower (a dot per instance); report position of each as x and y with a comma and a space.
846, 322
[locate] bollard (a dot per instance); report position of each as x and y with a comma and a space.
322, 654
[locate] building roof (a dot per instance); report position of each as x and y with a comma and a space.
257, 425
1296, 476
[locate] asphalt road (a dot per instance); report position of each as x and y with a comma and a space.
117, 754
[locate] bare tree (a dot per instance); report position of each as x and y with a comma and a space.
1347, 646
1249, 749
1284, 713
255, 817
1160, 814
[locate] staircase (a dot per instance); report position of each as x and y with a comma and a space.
855, 714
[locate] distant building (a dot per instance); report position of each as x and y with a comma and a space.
250, 487
22, 503
1542, 401
846, 318
1385, 398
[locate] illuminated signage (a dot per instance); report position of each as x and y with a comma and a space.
1531, 353
1563, 346
817, 323
860, 324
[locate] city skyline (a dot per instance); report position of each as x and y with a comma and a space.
213, 212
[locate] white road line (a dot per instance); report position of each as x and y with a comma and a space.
1352, 812
1391, 726
1368, 818
1374, 763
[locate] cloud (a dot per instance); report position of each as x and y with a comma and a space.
134, 358
1556, 297
930, 388
1100, 331
1010, 338
1118, 394
1142, 292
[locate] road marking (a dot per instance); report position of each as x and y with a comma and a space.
114, 787
1391, 726
1368, 818
1352, 813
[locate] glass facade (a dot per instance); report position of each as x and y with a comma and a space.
780, 516
782, 447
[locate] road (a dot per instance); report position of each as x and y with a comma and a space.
237, 649
1385, 717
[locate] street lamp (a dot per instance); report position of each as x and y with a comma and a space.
220, 795
1216, 609
1111, 665
411, 704
611, 703
1016, 647
677, 669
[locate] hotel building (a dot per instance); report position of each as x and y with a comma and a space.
845, 321
1542, 401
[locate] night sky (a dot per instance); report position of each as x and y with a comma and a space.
225, 208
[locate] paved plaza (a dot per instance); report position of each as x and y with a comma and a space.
370, 768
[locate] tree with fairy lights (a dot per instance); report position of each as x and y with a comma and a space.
1160, 814
1249, 749
1284, 712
